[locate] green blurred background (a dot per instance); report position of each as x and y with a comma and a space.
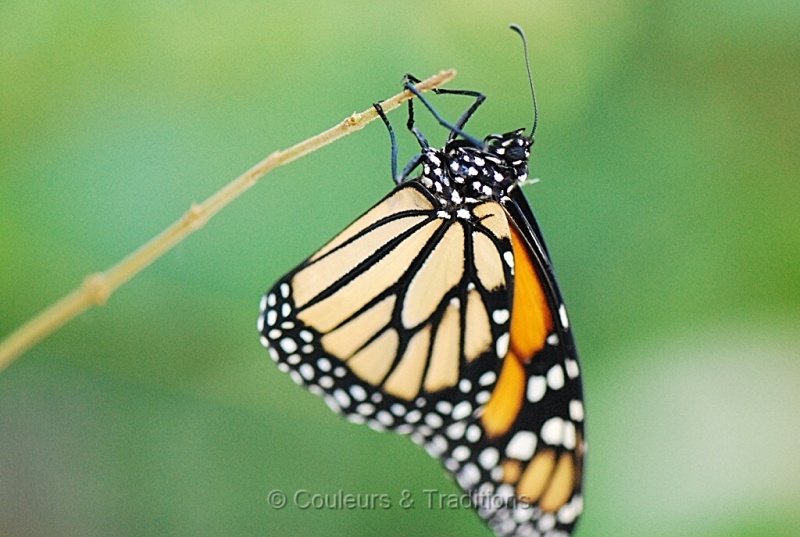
669, 151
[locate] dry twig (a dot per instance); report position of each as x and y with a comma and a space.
98, 287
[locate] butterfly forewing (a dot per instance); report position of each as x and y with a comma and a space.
397, 306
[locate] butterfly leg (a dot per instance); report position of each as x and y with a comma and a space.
414, 161
479, 99
379, 109
455, 129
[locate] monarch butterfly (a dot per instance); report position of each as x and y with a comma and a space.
436, 314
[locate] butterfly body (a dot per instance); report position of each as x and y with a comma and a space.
436, 314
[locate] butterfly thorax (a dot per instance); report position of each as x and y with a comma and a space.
463, 174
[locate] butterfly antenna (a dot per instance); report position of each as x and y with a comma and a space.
517, 29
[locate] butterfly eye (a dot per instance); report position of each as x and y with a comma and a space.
516, 153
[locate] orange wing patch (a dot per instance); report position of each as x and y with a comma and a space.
503, 407
531, 320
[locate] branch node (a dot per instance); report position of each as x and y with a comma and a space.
194, 217
96, 288
352, 121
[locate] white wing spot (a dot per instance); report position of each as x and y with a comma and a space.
444, 407
306, 336
488, 458
500, 316
501, 347
547, 522
572, 368
570, 435
288, 345
436, 446
473, 433
404, 428
461, 453
295, 376
358, 392
469, 476
462, 410
505, 491
330, 401
365, 409
375, 425
570, 511
306, 371
523, 513
413, 416
537, 387
555, 377
553, 431
562, 313
576, 410
434, 420
456, 430
385, 418
521, 446
342, 398
487, 378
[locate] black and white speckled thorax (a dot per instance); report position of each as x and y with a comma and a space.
462, 174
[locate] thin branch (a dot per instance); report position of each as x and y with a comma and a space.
98, 287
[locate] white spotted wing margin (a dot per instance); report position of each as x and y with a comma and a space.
402, 320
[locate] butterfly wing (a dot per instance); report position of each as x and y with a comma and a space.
400, 317
526, 477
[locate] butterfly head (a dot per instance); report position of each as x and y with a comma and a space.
514, 149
